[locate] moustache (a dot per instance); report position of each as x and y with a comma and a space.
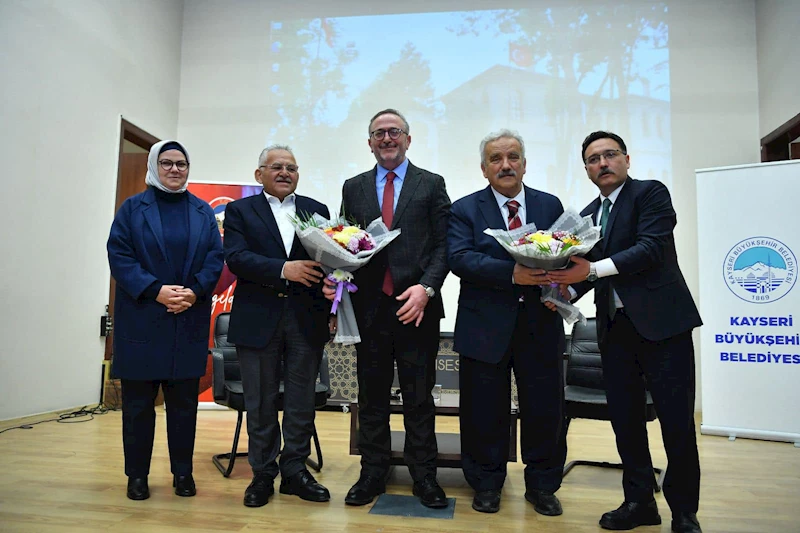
604, 172
282, 179
504, 173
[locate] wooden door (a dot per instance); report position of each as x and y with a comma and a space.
134, 147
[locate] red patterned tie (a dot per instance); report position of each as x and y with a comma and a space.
513, 214
387, 213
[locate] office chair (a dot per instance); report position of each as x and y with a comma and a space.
227, 389
584, 391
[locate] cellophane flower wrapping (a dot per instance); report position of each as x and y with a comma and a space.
339, 245
551, 249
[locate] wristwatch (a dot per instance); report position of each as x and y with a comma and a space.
592, 277
430, 291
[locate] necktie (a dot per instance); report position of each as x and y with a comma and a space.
513, 214
612, 306
604, 216
387, 213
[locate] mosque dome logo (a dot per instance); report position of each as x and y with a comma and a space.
760, 270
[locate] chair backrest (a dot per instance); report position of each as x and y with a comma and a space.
232, 371
584, 365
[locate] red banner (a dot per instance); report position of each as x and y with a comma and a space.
218, 196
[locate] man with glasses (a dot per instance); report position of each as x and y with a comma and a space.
398, 308
645, 317
279, 324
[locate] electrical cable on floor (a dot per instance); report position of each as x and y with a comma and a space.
79, 415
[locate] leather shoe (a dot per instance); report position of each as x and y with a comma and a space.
258, 491
685, 523
304, 485
429, 492
545, 503
630, 515
365, 490
486, 501
184, 485
138, 489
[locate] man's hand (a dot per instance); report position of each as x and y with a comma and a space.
574, 274
413, 309
332, 321
530, 276
303, 271
564, 292
329, 289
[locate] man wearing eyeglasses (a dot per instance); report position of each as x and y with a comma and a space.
645, 317
398, 308
279, 320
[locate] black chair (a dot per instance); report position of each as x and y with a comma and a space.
227, 388
584, 391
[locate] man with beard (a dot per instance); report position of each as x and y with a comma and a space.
502, 325
645, 317
398, 309
279, 320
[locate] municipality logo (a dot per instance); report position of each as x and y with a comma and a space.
760, 270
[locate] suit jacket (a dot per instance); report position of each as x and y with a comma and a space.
418, 255
639, 239
149, 342
489, 302
255, 253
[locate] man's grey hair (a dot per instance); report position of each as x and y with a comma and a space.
501, 134
388, 111
271, 148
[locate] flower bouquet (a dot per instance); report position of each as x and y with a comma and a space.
551, 249
342, 248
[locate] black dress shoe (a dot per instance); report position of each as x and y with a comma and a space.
630, 515
258, 492
138, 489
486, 501
685, 523
365, 490
545, 503
304, 485
429, 492
184, 485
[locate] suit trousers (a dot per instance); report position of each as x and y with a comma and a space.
485, 402
666, 369
139, 423
414, 349
289, 357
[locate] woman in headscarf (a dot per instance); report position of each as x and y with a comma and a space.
165, 254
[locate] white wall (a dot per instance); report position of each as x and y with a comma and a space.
69, 70
777, 23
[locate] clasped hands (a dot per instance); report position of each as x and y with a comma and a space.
176, 298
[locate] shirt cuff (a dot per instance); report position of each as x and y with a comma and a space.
572, 293
283, 267
605, 267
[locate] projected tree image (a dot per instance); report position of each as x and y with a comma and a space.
594, 54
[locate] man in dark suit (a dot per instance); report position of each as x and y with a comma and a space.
645, 317
398, 309
502, 324
279, 323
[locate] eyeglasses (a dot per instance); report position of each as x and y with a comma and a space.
608, 154
166, 164
277, 167
394, 134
